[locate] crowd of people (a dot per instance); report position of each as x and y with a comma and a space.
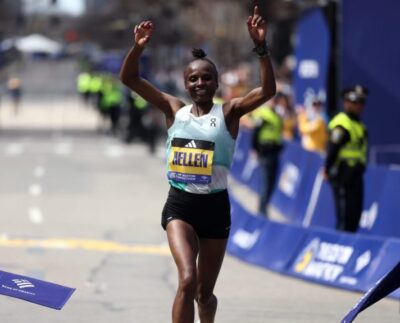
122, 113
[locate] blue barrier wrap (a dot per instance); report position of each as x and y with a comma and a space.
261, 242
307, 246
337, 259
297, 182
34, 290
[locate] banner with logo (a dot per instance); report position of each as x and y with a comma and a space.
303, 198
245, 168
34, 290
295, 182
349, 261
262, 242
381, 204
312, 56
381, 211
338, 259
307, 246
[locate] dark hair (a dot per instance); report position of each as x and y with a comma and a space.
198, 53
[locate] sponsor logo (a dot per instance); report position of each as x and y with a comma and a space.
323, 260
368, 217
213, 122
289, 179
362, 261
23, 283
346, 280
308, 69
244, 239
191, 144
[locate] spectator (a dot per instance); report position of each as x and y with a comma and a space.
282, 107
312, 127
15, 92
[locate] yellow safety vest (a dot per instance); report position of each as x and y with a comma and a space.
83, 82
96, 83
271, 130
111, 96
355, 150
139, 102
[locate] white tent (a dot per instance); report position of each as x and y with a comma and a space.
38, 44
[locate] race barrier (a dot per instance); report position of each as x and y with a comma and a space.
303, 197
306, 245
349, 261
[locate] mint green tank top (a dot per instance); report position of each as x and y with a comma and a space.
199, 151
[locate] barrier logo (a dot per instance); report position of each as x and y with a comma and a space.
308, 69
323, 260
289, 180
362, 261
369, 216
244, 239
23, 283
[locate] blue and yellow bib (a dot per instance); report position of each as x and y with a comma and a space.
199, 151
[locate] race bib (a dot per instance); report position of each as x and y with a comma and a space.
190, 161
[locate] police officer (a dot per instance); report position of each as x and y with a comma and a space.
137, 109
83, 86
110, 102
346, 158
267, 143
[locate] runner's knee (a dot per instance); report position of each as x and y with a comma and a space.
187, 284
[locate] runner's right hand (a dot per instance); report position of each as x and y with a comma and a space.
143, 32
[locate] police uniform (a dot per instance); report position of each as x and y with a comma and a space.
346, 160
267, 142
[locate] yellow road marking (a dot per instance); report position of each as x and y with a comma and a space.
92, 245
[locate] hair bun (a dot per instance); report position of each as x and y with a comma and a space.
198, 53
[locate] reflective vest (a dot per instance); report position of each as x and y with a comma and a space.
355, 150
271, 129
96, 83
139, 102
112, 95
83, 82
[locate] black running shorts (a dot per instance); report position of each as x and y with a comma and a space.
208, 214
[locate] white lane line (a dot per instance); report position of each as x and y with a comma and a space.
63, 148
14, 149
35, 190
35, 215
39, 171
114, 151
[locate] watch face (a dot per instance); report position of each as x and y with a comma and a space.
261, 50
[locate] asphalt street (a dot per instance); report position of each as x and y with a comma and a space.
82, 209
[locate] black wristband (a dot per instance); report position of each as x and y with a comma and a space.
262, 50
